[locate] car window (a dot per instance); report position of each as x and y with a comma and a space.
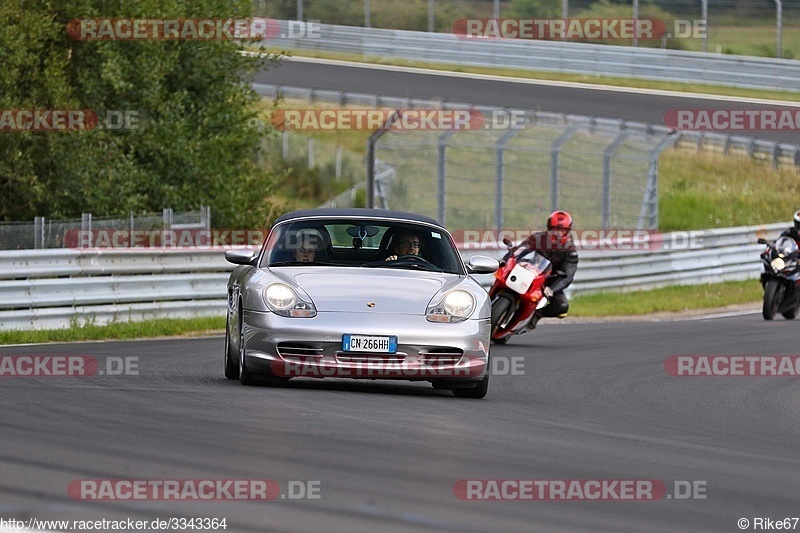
363, 243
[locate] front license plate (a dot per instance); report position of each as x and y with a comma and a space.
369, 343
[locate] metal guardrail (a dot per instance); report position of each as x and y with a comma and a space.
553, 56
732, 144
48, 289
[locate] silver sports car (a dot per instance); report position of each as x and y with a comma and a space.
358, 293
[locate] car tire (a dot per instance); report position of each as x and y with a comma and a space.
231, 367
772, 299
478, 391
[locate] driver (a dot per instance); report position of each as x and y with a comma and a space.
408, 243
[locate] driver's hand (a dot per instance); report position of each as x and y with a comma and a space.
392, 258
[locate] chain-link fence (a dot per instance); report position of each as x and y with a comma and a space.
54, 233
603, 173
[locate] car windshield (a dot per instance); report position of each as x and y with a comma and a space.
367, 243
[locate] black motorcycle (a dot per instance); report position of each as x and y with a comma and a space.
781, 278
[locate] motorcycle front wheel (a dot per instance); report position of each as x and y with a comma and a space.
500, 308
773, 293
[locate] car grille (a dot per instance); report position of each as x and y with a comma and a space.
294, 351
441, 356
350, 357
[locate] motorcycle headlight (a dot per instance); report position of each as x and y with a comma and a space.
283, 300
455, 306
778, 264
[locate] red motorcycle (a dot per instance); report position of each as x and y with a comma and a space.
517, 291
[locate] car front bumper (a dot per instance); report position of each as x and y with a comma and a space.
312, 347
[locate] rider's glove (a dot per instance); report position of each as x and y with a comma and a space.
548, 292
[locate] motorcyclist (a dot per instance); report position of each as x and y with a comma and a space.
794, 231
557, 246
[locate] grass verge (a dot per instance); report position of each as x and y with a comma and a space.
666, 299
190, 327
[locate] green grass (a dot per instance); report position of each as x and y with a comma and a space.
190, 327
667, 299
706, 190
750, 40
554, 76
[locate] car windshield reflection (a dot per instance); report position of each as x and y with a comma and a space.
361, 243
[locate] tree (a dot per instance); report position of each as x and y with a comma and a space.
195, 144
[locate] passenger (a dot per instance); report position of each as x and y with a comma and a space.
309, 242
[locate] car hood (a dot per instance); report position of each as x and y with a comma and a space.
352, 290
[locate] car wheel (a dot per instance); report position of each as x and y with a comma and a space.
245, 377
772, 299
478, 391
231, 367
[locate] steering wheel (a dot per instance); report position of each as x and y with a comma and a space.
414, 260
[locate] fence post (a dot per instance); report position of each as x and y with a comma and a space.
285, 147
705, 22
635, 17
607, 155
338, 162
555, 153
38, 233
166, 221
780, 29
310, 153
441, 181
373, 139
499, 184
86, 228
431, 15
207, 220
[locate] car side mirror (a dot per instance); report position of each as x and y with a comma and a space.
763, 241
480, 264
241, 257
507, 241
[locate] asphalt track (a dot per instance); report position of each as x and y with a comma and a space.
593, 401
523, 94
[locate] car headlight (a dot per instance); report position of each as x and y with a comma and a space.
283, 300
455, 306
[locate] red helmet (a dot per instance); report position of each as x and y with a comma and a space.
559, 220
